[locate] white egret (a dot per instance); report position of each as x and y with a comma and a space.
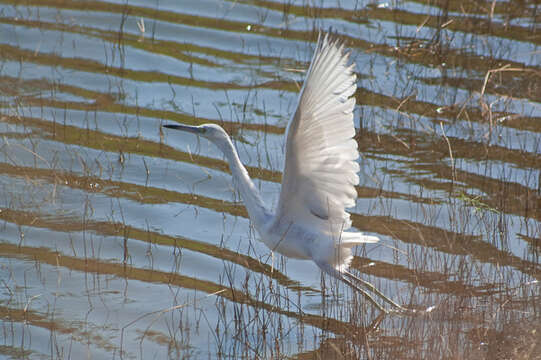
320, 172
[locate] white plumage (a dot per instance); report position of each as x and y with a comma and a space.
320, 171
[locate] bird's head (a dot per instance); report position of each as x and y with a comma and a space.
213, 132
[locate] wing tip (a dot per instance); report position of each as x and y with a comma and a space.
332, 38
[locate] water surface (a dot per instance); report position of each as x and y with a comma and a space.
121, 240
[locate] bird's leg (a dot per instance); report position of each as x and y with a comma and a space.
364, 293
272, 261
327, 268
373, 289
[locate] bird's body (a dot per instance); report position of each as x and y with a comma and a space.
320, 171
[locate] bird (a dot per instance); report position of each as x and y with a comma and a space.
320, 172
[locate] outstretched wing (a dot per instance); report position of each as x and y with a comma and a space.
320, 171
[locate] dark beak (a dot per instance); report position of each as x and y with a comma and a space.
191, 129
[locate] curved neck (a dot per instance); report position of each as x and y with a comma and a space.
248, 191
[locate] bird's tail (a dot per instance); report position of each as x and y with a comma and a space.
354, 238
342, 252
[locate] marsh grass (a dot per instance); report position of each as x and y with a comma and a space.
452, 183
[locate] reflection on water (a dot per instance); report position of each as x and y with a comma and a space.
121, 241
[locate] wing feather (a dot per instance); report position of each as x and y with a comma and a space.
320, 170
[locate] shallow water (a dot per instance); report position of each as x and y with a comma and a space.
122, 240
